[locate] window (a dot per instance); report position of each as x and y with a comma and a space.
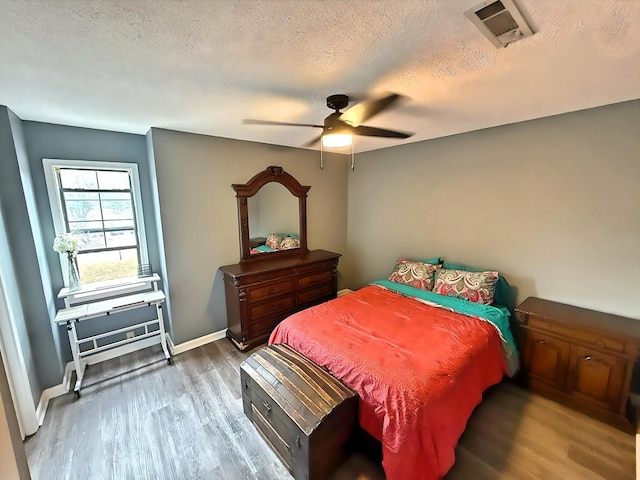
100, 202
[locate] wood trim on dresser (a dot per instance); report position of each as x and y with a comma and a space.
580, 357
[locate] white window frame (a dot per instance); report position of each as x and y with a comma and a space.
55, 202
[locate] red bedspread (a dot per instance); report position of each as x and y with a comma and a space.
419, 370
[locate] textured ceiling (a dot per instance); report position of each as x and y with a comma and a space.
203, 65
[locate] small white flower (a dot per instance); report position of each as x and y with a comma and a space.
67, 243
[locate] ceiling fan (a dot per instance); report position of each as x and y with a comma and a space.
339, 127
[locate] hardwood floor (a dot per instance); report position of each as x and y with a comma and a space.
141, 419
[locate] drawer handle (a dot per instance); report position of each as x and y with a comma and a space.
542, 342
246, 385
587, 357
267, 408
298, 444
273, 290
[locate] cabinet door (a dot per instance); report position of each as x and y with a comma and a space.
546, 359
596, 377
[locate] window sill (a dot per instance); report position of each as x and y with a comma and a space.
113, 288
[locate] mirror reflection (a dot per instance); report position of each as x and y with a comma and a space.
273, 220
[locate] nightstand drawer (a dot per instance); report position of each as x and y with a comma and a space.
590, 338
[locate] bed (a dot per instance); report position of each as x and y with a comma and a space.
419, 361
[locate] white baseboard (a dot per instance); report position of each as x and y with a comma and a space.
65, 386
198, 342
53, 392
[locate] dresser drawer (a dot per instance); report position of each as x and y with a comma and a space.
276, 288
588, 338
267, 276
273, 306
264, 325
321, 291
319, 277
327, 265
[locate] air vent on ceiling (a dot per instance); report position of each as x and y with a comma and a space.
499, 21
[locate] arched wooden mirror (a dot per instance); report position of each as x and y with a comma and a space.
265, 207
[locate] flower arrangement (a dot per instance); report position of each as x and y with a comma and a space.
67, 244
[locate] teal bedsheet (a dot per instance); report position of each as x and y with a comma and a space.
498, 315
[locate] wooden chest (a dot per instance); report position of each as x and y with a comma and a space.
307, 416
261, 293
580, 357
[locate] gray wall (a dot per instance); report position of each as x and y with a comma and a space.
46, 140
200, 222
554, 204
18, 254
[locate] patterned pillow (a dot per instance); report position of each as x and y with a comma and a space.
289, 242
273, 241
477, 287
416, 274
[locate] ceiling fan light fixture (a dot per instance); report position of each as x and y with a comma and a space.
337, 140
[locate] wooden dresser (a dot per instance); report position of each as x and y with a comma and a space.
262, 292
580, 357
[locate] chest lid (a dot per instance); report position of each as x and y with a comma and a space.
298, 386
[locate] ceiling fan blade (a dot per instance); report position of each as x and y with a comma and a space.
379, 132
313, 141
269, 122
363, 111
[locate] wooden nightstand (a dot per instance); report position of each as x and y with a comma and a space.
580, 357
